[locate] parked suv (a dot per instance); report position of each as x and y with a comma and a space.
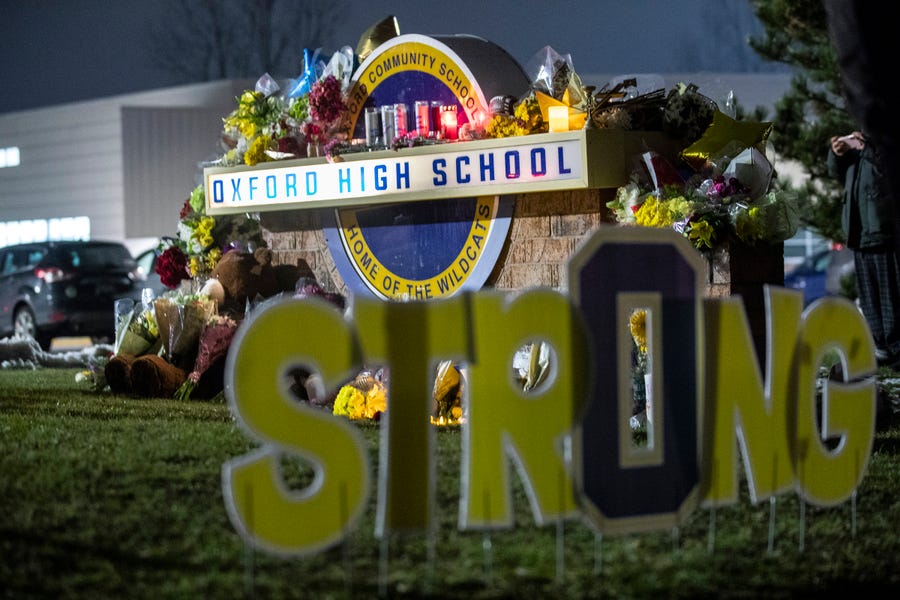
59, 289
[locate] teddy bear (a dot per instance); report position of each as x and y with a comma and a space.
242, 277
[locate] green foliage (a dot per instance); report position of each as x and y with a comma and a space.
106, 496
813, 110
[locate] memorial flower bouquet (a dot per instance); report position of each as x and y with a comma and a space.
95, 373
215, 339
202, 240
181, 319
172, 265
137, 332
363, 398
269, 124
727, 199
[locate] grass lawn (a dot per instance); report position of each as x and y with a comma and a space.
104, 496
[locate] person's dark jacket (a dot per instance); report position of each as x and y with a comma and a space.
867, 214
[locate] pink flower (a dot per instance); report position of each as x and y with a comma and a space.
326, 104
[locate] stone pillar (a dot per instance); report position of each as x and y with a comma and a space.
546, 229
736, 269
296, 238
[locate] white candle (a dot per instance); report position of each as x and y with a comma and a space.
559, 118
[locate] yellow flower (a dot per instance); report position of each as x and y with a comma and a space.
749, 225
680, 207
350, 403
701, 234
528, 111
206, 224
501, 126
195, 266
353, 403
376, 400
654, 213
256, 153
150, 324
637, 324
212, 258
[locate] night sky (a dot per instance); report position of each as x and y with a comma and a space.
59, 51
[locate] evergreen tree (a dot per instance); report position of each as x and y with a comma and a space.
813, 110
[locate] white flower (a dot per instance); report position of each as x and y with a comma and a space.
628, 196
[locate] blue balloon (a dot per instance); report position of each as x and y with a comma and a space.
304, 82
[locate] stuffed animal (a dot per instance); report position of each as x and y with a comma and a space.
242, 277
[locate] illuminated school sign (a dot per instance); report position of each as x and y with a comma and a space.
534, 163
430, 221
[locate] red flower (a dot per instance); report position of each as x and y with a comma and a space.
186, 209
312, 131
172, 267
289, 145
326, 103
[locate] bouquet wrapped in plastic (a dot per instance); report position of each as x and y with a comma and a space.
137, 332
181, 319
215, 339
553, 74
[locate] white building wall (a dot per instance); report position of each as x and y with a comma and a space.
70, 165
126, 162
161, 163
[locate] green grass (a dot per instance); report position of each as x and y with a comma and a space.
112, 497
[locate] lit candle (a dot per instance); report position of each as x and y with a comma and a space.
449, 122
559, 118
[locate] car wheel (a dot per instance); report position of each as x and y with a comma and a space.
24, 325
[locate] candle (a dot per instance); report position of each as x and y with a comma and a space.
559, 118
435, 124
388, 129
449, 122
423, 117
400, 120
373, 126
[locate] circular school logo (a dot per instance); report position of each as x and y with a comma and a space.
431, 248
423, 250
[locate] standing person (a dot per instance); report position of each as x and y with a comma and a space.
863, 35
868, 222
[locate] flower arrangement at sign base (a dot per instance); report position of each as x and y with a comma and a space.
363, 398
202, 240
718, 188
366, 396
215, 339
711, 193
